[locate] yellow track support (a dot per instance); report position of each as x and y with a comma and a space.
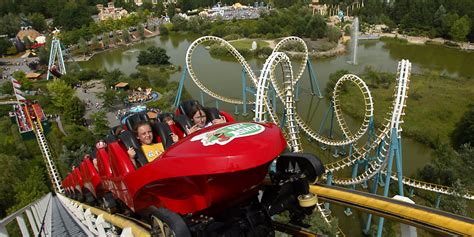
415, 215
115, 220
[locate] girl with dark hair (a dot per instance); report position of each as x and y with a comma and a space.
199, 119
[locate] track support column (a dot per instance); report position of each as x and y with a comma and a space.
177, 100
394, 152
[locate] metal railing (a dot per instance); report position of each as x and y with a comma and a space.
38, 215
102, 223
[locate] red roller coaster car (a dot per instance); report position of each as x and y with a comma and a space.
207, 183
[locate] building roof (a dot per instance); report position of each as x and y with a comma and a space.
30, 33
121, 84
32, 75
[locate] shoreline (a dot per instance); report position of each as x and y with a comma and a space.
119, 46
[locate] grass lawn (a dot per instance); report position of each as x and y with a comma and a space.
435, 104
247, 43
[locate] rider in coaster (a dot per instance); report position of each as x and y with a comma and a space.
145, 136
199, 118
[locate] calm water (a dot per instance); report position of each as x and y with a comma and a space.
224, 77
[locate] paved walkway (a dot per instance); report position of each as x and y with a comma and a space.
90, 96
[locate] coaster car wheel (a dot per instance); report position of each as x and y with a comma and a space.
305, 164
166, 223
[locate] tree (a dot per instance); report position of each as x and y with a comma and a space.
284, 3
171, 10
60, 93
464, 131
101, 124
9, 165
10, 24
109, 97
125, 36
75, 157
74, 110
94, 43
460, 29
153, 56
141, 31
75, 14
27, 42
115, 37
160, 9
333, 78
163, 29
106, 41
4, 45
43, 55
334, 34
7, 88
30, 189
83, 46
37, 21
447, 22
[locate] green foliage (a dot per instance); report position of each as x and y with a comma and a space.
27, 42
10, 24
109, 98
101, 124
74, 110
141, 32
115, 37
94, 44
83, 46
126, 36
460, 29
30, 189
73, 158
77, 136
37, 21
4, 45
43, 55
60, 93
106, 41
163, 29
284, 3
74, 14
334, 34
333, 78
464, 131
416, 17
10, 166
456, 203
7, 88
153, 56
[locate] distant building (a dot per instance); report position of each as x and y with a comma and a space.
111, 12
30, 33
318, 8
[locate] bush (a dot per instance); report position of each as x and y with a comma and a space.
163, 30
334, 34
153, 56
232, 37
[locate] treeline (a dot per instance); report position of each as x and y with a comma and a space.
186, 5
23, 177
450, 19
296, 20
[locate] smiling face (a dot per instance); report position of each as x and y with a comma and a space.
199, 118
144, 134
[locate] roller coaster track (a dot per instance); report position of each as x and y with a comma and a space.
431, 187
393, 118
